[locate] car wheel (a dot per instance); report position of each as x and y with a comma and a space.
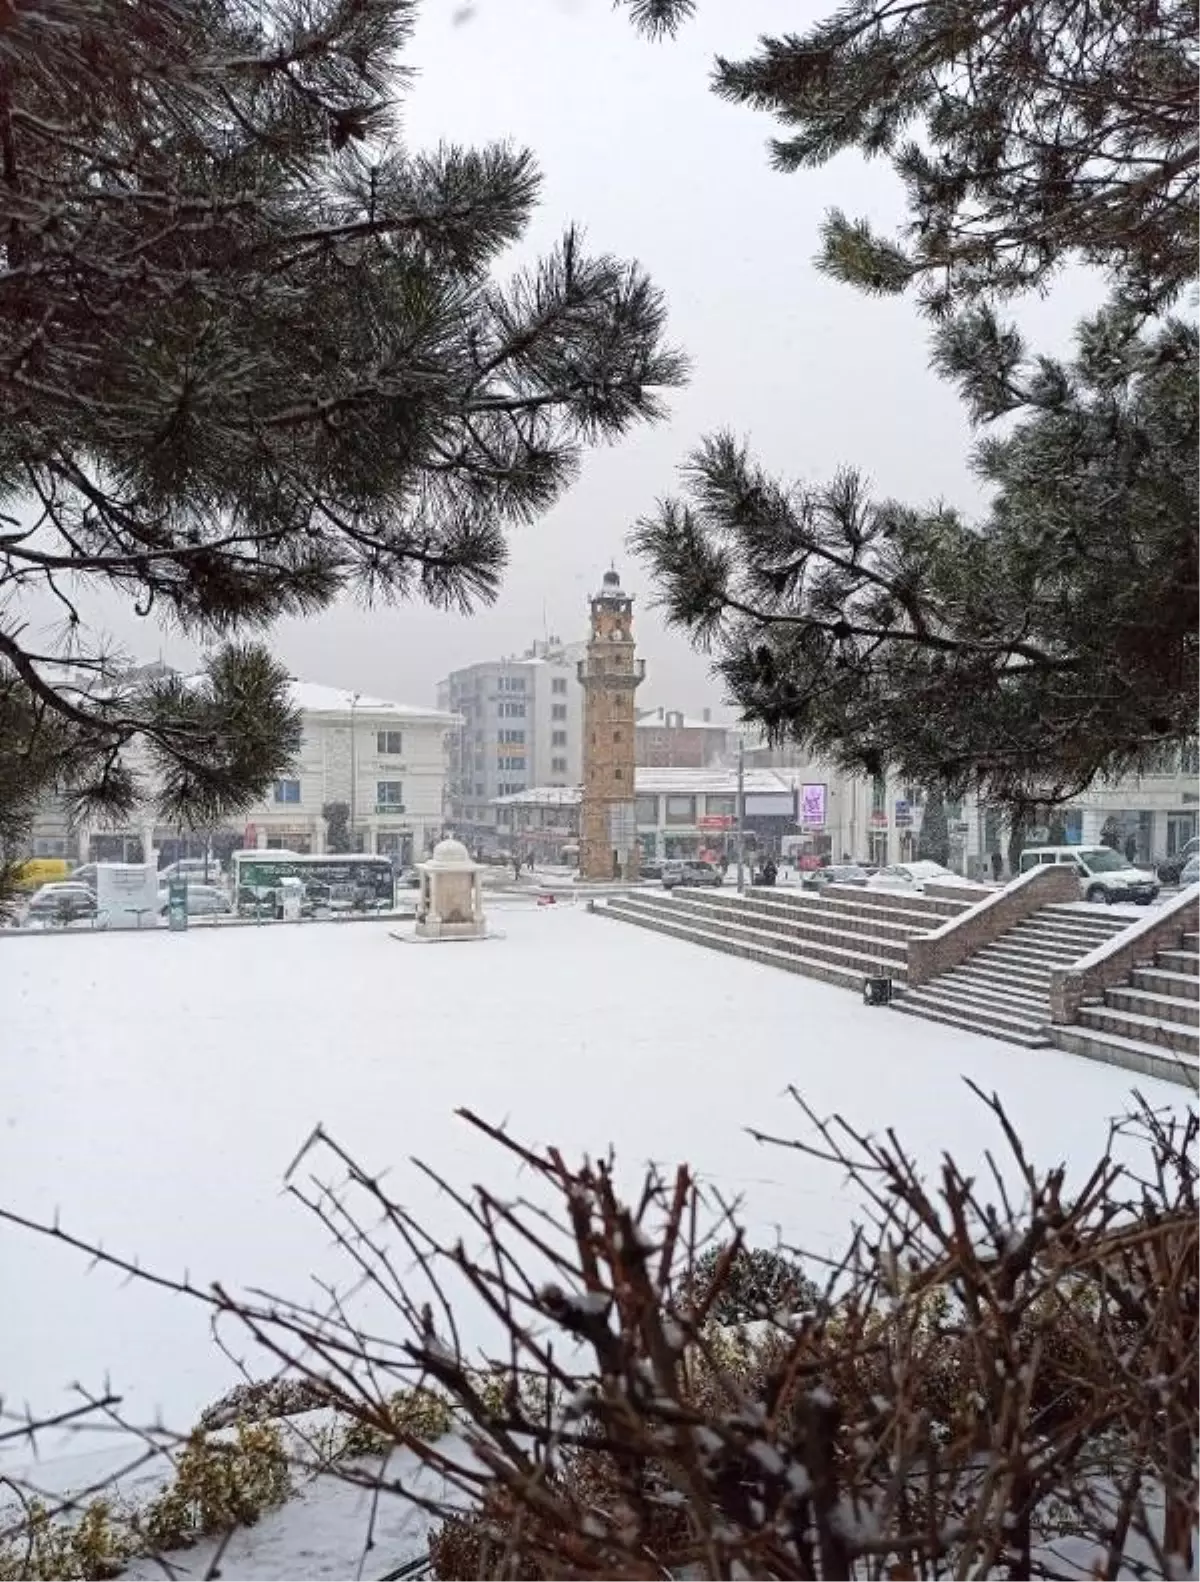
1096, 893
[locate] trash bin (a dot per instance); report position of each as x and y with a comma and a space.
877, 991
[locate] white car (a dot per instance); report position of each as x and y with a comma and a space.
1104, 875
912, 876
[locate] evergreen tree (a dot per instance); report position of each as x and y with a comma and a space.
1055, 640
253, 356
933, 844
1110, 835
1023, 135
337, 826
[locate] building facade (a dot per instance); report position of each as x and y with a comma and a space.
677, 813
610, 675
669, 739
522, 725
386, 762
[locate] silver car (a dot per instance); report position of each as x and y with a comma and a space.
203, 900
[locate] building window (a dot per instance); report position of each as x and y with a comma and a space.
480, 789
558, 738
389, 796
558, 711
389, 744
559, 684
878, 794
646, 809
558, 766
681, 810
511, 763
511, 684
511, 711
287, 790
1189, 759
616, 736
618, 774
514, 736
721, 806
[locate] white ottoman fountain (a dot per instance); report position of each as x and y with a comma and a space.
450, 902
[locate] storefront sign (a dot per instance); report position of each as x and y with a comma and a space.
904, 815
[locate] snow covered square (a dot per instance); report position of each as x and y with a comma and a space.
156, 1087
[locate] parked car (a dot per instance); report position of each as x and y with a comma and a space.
688, 873
652, 867
1104, 874
1190, 872
408, 879
913, 876
61, 903
196, 869
836, 873
1170, 870
203, 900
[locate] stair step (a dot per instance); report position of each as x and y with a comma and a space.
1130, 1053
1053, 932
1026, 1002
931, 1012
1147, 1029
1085, 915
794, 930
1191, 942
991, 1015
1179, 961
1182, 985
1024, 978
815, 915
832, 910
856, 964
1159, 1007
927, 905
1004, 956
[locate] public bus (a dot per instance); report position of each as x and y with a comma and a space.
342, 882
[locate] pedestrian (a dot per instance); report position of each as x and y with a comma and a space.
997, 866
769, 872
516, 866
1130, 847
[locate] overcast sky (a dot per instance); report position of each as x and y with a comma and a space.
635, 148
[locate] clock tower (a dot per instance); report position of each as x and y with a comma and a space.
610, 675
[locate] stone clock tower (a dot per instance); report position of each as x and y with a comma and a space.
610, 675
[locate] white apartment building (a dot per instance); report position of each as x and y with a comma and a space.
522, 726
386, 761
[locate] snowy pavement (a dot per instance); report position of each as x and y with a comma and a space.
156, 1087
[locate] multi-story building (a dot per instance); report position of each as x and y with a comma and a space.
386, 762
522, 725
677, 813
668, 739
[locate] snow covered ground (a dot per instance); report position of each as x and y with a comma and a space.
156, 1086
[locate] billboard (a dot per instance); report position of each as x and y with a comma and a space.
770, 805
813, 806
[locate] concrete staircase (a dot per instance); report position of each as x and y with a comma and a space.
841, 936
1003, 990
1151, 1025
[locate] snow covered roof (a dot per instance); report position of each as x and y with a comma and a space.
542, 796
662, 782
313, 698
715, 782
671, 719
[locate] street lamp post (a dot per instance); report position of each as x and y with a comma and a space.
354, 697
741, 815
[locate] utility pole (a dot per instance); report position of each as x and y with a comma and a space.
353, 776
741, 814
